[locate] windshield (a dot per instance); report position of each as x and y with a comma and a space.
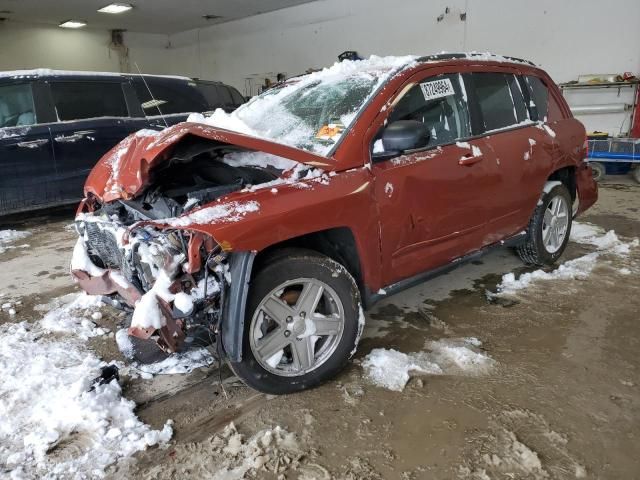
314, 111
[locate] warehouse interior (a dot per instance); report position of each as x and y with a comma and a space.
473, 356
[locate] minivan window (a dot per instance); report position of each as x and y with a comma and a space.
225, 95
218, 95
439, 103
238, 99
210, 93
16, 105
539, 98
75, 100
168, 97
496, 100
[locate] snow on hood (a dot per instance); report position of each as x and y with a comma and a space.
123, 172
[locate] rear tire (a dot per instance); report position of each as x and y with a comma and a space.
292, 299
549, 228
598, 170
635, 173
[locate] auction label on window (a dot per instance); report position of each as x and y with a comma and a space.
437, 89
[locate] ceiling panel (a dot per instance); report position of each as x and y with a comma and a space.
151, 16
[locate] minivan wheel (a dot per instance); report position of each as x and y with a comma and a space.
549, 228
302, 323
598, 171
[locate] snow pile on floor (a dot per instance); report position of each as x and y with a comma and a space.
10, 236
232, 456
72, 314
391, 369
589, 234
52, 426
578, 268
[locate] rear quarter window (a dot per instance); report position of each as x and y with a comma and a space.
75, 100
543, 106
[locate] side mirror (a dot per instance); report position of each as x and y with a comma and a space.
405, 135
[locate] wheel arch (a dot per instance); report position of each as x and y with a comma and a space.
566, 176
338, 243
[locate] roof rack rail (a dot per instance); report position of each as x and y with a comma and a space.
454, 56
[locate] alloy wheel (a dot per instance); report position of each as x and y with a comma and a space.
296, 327
555, 224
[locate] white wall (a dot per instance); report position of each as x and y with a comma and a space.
24, 46
566, 37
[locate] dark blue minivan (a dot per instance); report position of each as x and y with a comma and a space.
55, 125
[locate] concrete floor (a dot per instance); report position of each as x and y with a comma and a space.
563, 400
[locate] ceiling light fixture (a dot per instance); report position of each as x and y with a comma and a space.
116, 8
73, 24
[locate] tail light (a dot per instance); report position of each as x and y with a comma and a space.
586, 147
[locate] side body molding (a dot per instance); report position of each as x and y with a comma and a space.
232, 325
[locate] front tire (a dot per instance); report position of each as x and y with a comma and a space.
549, 228
302, 323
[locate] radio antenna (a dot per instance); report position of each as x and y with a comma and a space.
155, 102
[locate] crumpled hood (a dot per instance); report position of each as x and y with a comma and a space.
123, 172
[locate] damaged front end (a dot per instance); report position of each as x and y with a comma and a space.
171, 280
152, 207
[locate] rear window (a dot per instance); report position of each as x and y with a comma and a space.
78, 100
16, 106
167, 97
501, 102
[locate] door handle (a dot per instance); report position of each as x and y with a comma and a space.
33, 143
69, 138
469, 160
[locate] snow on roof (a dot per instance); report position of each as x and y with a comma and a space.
46, 72
478, 56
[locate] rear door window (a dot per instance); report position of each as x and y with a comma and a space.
439, 103
75, 100
501, 102
16, 105
166, 97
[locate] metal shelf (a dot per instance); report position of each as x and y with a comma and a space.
577, 86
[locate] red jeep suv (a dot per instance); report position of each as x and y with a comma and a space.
271, 228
